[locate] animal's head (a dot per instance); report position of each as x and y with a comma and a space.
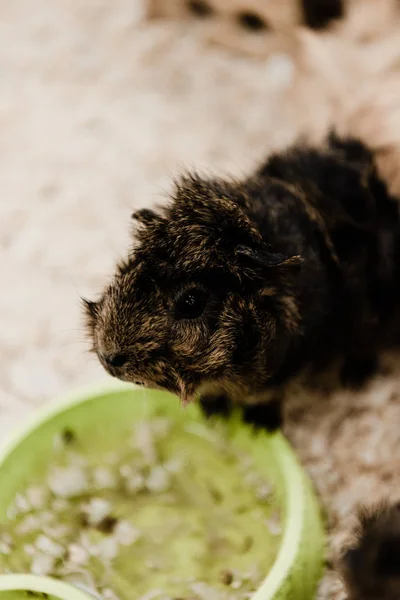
201, 297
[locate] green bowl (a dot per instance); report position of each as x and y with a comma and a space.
106, 409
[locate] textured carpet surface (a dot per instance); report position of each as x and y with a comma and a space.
97, 112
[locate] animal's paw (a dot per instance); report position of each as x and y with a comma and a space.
265, 416
216, 405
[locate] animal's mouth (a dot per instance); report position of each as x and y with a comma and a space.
185, 391
171, 382
118, 374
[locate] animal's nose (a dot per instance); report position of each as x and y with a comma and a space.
115, 360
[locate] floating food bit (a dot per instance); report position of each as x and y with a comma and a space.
30, 549
29, 524
65, 438
5, 548
96, 510
68, 436
106, 549
37, 496
42, 564
274, 524
104, 478
68, 482
158, 481
237, 584
126, 534
77, 555
21, 504
226, 577
107, 525
135, 483
48, 546
264, 492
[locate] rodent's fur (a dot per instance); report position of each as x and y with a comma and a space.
297, 266
319, 15
370, 567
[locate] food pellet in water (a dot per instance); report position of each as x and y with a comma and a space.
68, 436
158, 480
107, 525
105, 478
48, 546
77, 555
96, 510
226, 577
42, 564
68, 482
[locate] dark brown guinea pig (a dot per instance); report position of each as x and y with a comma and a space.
233, 287
370, 567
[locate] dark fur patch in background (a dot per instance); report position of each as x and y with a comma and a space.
371, 566
318, 14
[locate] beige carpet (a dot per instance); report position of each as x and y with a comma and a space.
97, 112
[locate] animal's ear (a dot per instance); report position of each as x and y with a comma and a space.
262, 257
146, 216
91, 310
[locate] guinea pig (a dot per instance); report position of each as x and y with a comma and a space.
370, 567
233, 287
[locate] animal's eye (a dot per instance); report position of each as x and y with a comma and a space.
190, 304
251, 21
200, 8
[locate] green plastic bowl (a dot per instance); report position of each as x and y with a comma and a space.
107, 409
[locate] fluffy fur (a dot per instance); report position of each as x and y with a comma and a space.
297, 267
371, 566
317, 14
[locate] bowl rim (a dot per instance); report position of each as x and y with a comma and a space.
60, 590
292, 477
